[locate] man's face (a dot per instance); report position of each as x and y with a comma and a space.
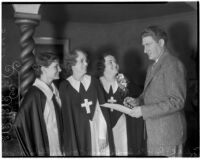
80, 67
151, 47
53, 70
111, 65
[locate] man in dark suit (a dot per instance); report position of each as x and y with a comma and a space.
162, 101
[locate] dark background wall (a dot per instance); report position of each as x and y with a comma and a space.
121, 38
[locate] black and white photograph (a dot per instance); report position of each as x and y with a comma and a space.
93, 79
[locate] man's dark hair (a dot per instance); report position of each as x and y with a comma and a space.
156, 33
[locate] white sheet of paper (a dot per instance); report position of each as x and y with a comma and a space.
117, 107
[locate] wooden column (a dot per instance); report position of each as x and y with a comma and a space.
27, 23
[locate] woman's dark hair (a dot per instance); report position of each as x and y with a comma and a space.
45, 59
101, 63
156, 33
70, 60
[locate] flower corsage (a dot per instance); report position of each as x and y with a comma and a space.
122, 83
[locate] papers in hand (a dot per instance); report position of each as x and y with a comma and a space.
117, 107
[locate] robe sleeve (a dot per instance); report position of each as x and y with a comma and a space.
30, 128
100, 93
22, 133
105, 129
70, 143
102, 126
102, 122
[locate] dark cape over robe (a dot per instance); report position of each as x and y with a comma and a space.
30, 124
136, 135
114, 115
77, 135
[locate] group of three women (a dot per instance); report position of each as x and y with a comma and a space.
70, 120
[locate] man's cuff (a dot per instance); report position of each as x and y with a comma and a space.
144, 111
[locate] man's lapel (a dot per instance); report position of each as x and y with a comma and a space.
154, 69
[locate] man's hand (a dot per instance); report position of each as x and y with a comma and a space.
131, 101
136, 112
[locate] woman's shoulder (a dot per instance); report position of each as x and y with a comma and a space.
94, 79
33, 96
64, 82
33, 92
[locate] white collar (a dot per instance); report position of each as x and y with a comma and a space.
107, 84
156, 60
45, 89
76, 84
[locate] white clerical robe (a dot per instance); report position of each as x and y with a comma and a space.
50, 116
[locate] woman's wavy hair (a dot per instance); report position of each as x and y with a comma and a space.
101, 63
156, 33
44, 58
70, 60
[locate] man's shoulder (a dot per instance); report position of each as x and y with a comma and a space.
171, 60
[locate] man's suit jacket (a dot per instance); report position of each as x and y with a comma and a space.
164, 98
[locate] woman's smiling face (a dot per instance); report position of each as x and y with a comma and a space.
111, 65
52, 71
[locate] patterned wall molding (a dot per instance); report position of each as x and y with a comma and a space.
10, 98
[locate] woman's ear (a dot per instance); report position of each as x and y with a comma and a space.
161, 42
43, 69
